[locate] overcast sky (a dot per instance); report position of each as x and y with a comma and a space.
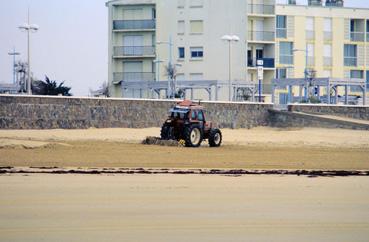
71, 44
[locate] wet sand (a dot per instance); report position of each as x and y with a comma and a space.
183, 208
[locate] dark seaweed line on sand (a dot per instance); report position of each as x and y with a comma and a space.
234, 172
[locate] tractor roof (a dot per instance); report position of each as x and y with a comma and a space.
189, 104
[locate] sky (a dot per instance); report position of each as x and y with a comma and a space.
72, 42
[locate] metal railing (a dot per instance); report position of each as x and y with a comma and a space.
134, 24
328, 35
281, 33
133, 76
134, 50
357, 36
327, 61
286, 59
261, 9
350, 61
310, 35
261, 36
268, 62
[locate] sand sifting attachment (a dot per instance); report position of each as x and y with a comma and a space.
157, 141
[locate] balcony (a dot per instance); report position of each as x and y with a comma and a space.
281, 33
357, 36
350, 61
367, 36
261, 9
134, 51
268, 62
261, 36
286, 59
133, 76
134, 25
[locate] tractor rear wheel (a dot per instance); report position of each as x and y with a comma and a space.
193, 136
215, 138
166, 132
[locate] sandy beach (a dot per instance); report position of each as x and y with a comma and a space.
259, 148
183, 208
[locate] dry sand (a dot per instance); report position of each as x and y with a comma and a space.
260, 148
183, 208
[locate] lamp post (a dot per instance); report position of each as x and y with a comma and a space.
230, 39
29, 28
170, 46
14, 54
306, 63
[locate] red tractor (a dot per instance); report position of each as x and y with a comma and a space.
187, 122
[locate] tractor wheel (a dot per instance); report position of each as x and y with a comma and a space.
215, 138
193, 136
166, 132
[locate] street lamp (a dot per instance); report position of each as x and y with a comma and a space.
306, 50
170, 45
14, 54
230, 39
29, 28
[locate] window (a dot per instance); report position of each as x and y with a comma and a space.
367, 80
181, 27
286, 53
133, 14
357, 74
281, 26
327, 25
281, 73
310, 23
350, 55
196, 26
197, 52
196, 3
181, 52
327, 55
200, 116
153, 13
181, 3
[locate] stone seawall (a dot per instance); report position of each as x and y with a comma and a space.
36, 112
356, 112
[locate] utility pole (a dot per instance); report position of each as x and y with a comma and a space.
29, 28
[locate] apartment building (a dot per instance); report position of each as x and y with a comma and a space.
145, 35
331, 41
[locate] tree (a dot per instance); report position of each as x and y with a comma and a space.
50, 88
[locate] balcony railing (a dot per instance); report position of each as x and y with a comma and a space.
281, 33
268, 62
133, 76
357, 36
261, 36
286, 59
327, 61
367, 36
327, 35
134, 51
310, 35
261, 9
134, 24
350, 61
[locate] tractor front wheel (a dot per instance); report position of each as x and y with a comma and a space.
215, 138
193, 136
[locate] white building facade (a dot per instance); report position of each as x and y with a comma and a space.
146, 35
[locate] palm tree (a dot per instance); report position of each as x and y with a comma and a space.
50, 88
